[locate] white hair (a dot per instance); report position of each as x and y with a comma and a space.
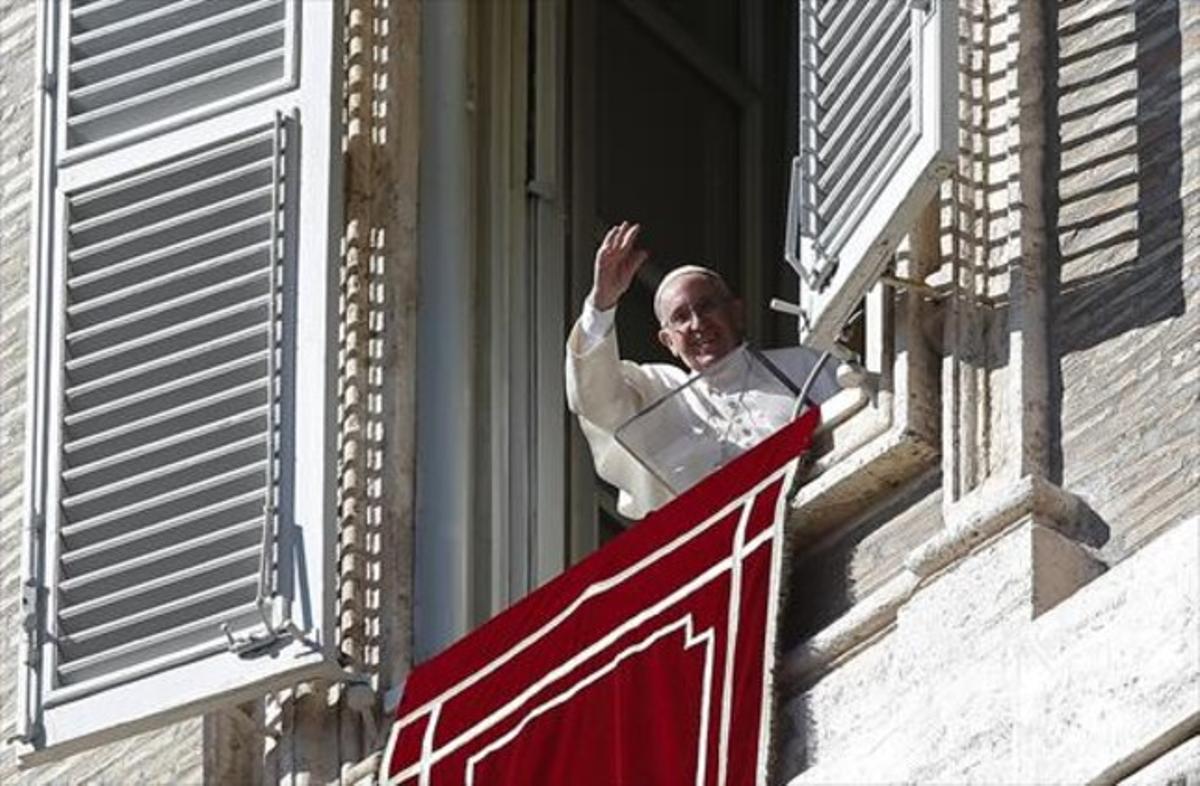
679, 272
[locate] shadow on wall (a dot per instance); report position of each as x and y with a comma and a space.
1113, 200
1114, 222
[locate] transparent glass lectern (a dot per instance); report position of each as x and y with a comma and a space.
715, 417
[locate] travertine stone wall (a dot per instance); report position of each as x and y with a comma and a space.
171, 755
1124, 199
828, 578
1003, 670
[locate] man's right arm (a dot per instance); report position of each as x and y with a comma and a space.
598, 384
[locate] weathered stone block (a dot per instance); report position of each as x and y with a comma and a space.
1002, 669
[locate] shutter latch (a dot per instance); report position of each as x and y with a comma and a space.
29, 605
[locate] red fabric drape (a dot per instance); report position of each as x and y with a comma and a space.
648, 663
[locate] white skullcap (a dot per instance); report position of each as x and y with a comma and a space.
682, 270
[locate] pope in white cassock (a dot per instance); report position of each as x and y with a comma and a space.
701, 325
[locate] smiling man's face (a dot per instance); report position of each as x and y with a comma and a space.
701, 321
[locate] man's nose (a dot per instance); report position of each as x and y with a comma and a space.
695, 319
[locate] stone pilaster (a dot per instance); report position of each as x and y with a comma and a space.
997, 372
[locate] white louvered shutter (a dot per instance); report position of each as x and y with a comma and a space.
185, 501
878, 113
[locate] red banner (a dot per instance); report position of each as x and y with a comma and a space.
649, 662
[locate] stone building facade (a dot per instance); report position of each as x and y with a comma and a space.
995, 574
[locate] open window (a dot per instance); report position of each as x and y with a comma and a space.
180, 509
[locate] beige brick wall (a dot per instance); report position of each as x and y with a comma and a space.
172, 755
1127, 231
1123, 193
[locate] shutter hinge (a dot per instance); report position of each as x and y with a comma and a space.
274, 634
921, 5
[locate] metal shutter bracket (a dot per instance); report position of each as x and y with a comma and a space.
822, 274
252, 645
29, 729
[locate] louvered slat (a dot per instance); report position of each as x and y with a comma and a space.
124, 627
835, 17
93, 66
185, 469
883, 34
147, 82
145, 239
105, 387
148, 564
861, 170
877, 111
850, 117
207, 271
163, 534
111, 468
180, 256
177, 395
179, 644
98, 614
169, 435
857, 103
135, 64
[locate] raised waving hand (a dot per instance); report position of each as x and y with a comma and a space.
617, 261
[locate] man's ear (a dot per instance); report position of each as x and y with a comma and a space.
664, 338
739, 315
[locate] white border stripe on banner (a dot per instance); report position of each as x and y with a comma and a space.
776, 532
732, 563
733, 618
596, 589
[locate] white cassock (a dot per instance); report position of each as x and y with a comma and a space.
701, 425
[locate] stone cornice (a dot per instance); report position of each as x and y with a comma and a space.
977, 519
